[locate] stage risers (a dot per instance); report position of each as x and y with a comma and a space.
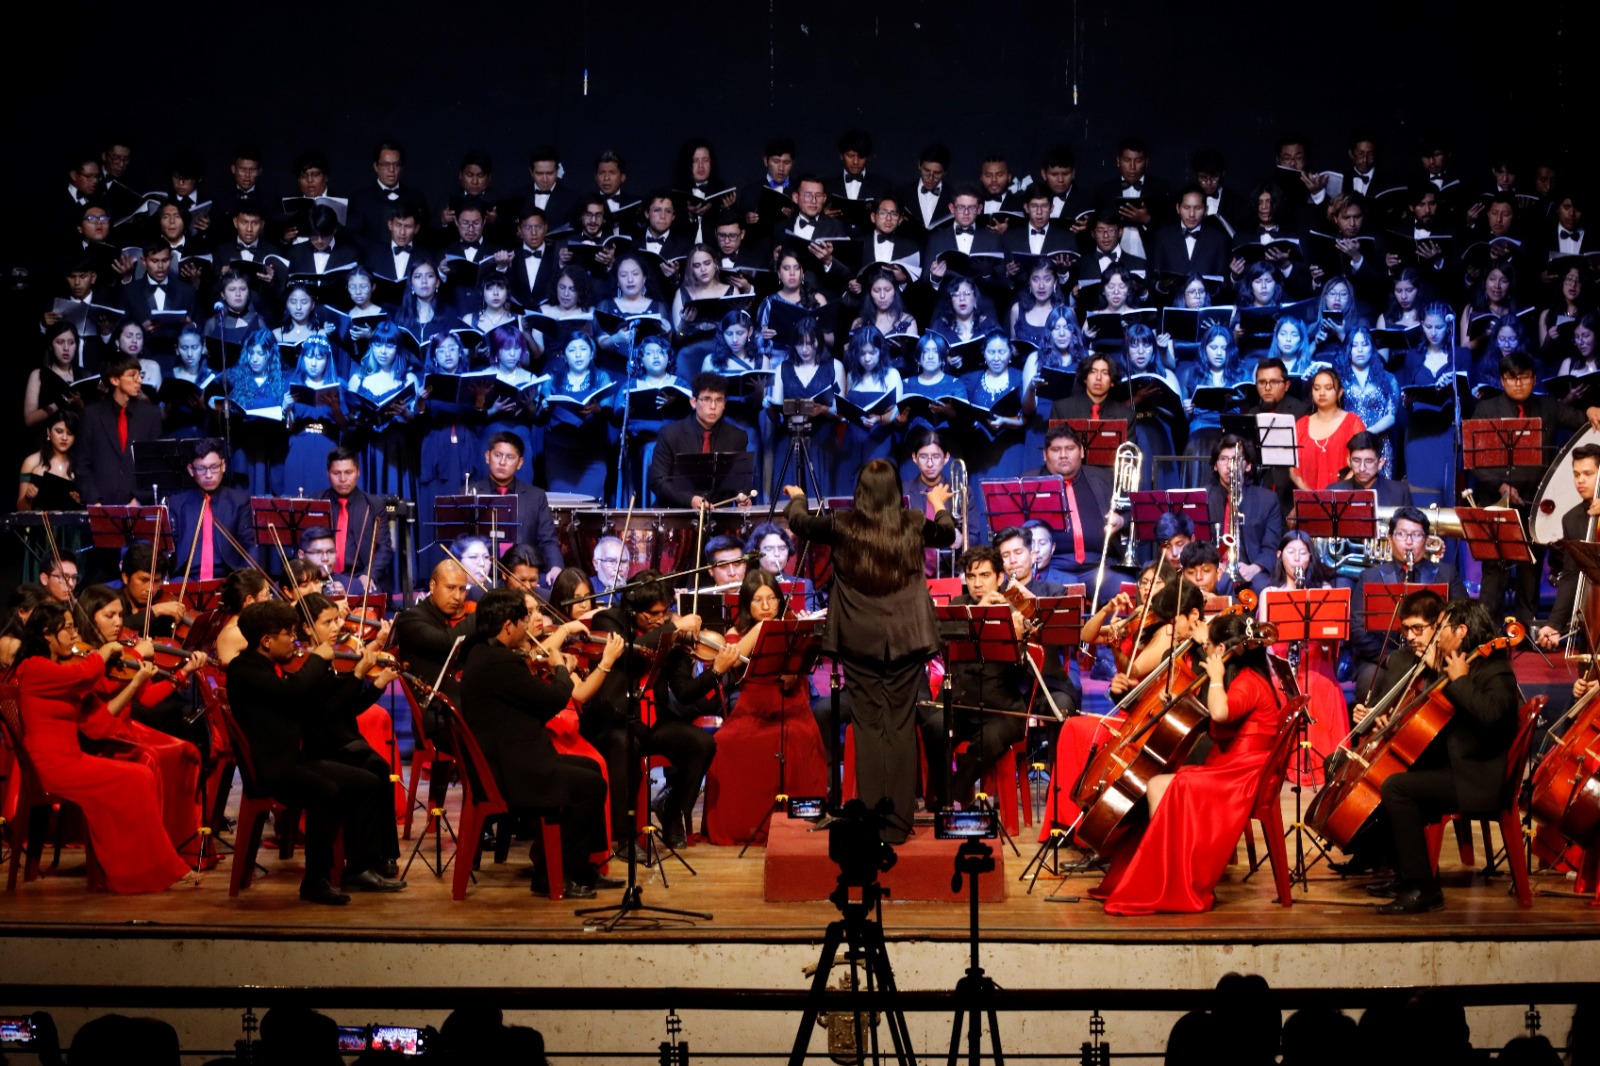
798, 869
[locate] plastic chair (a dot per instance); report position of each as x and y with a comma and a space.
1268, 809
480, 801
425, 755
34, 804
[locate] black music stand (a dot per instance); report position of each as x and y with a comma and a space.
1013, 501
474, 514
280, 520
115, 526
1149, 506
1494, 534
1348, 513
786, 647
703, 472
1301, 616
1273, 434
161, 466
1101, 438
971, 633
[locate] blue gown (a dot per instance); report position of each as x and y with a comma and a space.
389, 464
642, 434
259, 445
579, 451
449, 449
861, 445
1003, 456
306, 468
825, 450
1430, 438
518, 424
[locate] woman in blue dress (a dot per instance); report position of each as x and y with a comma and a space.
580, 439
1218, 367
1429, 429
255, 383
1036, 303
931, 381
1063, 349
671, 403
1369, 390
807, 373
449, 446
1259, 287
962, 314
867, 380
419, 313
1292, 342
389, 467
509, 358
312, 432
356, 325
996, 446
237, 319
183, 420
634, 298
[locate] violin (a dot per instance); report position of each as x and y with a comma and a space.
706, 645
467, 607
125, 667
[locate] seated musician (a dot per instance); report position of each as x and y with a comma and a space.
977, 690
1088, 502
703, 431
646, 615
334, 734
1198, 813
1464, 768
1366, 466
610, 564
20, 605
241, 589
507, 707
520, 567
1021, 567
1408, 530
1261, 519
361, 537
1202, 566
210, 521
319, 548
426, 633
143, 571
273, 710
535, 524
1575, 525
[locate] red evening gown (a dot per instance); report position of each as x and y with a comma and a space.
176, 763
743, 778
1321, 460
1175, 864
120, 800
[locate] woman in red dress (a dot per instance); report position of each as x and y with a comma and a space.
770, 715
1198, 814
175, 762
1322, 437
120, 800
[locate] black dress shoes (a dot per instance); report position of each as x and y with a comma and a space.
1415, 900
574, 890
371, 881
603, 882
1385, 889
320, 891
391, 869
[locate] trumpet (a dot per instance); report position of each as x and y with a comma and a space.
1125, 467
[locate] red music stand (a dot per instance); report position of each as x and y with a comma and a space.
1149, 506
1494, 534
1501, 443
1013, 501
1078, 589
1309, 614
1215, 604
971, 633
1101, 438
198, 596
1381, 601
1348, 513
116, 526
281, 519
944, 589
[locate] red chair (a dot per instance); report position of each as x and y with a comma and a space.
425, 755
34, 804
1268, 809
254, 804
480, 801
1509, 815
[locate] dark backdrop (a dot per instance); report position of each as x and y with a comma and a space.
1008, 77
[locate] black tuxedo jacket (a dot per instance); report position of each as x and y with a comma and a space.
1391, 493
365, 510
1574, 526
230, 510
544, 285
1262, 524
138, 299
901, 249
559, 206
943, 240
872, 187
302, 257
1169, 252
684, 437
1367, 645
1092, 489
368, 216
276, 712
910, 200
424, 636
536, 526
105, 471
1058, 237
1156, 193
1090, 270
1076, 201
507, 708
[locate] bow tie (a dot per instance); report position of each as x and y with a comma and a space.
243, 247
1190, 234
154, 284
966, 230
1571, 235
1036, 232
651, 238
535, 253
1138, 186
1363, 177
930, 192
884, 240
400, 249
852, 179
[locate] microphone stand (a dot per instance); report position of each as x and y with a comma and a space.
221, 310
626, 472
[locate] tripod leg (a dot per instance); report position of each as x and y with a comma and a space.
819, 985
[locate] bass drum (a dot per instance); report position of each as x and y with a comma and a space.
1557, 494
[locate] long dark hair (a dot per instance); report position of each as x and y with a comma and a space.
45, 621
1231, 629
755, 579
885, 553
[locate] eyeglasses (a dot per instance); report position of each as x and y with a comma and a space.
1415, 629
97, 219
210, 468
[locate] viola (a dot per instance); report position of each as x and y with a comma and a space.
1353, 792
706, 646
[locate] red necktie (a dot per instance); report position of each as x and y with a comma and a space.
207, 563
277, 669
1077, 526
1094, 411
705, 441
1521, 413
930, 556
122, 429
341, 529
502, 489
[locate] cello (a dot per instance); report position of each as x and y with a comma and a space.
1354, 791
1566, 781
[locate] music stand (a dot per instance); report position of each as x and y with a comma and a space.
161, 465
198, 596
703, 472
1057, 623
115, 526
474, 514
1501, 443
280, 519
1348, 513
1101, 438
944, 589
971, 633
1150, 505
786, 647
1013, 501
1272, 433
1380, 603
1301, 616
1494, 535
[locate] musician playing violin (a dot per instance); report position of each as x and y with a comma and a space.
426, 632
1575, 525
1464, 768
1022, 569
141, 570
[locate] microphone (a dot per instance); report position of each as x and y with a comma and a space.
219, 307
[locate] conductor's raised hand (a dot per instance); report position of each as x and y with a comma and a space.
795, 492
939, 496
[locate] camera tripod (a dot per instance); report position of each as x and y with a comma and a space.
976, 989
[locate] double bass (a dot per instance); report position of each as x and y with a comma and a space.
1354, 790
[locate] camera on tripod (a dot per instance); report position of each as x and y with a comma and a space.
797, 413
855, 843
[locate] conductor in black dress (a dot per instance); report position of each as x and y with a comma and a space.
881, 625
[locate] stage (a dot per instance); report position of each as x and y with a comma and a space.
200, 956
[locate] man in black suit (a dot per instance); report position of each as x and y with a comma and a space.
325, 253
392, 257
426, 633
926, 200
154, 299
885, 245
84, 174
507, 709
813, 234
853, 181
1465, 768
992, 686
1139, 200
658, 237
1261, 522
1088, 499
1070, 203
245, 190
371, 205
704, 431
531, 273
1190, 247
361, 534
471, 257
1039, 235
1407, 532
250, 250
1365, 466
735, 253
1106, 251
1272, 386
1354, 252
93, 239
1021, 564
767, 203
557, 201
964, 235
610, 184
276, 711
201, 514
108, 433
1574, 526
1226, 209
1091, 398
535, 524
